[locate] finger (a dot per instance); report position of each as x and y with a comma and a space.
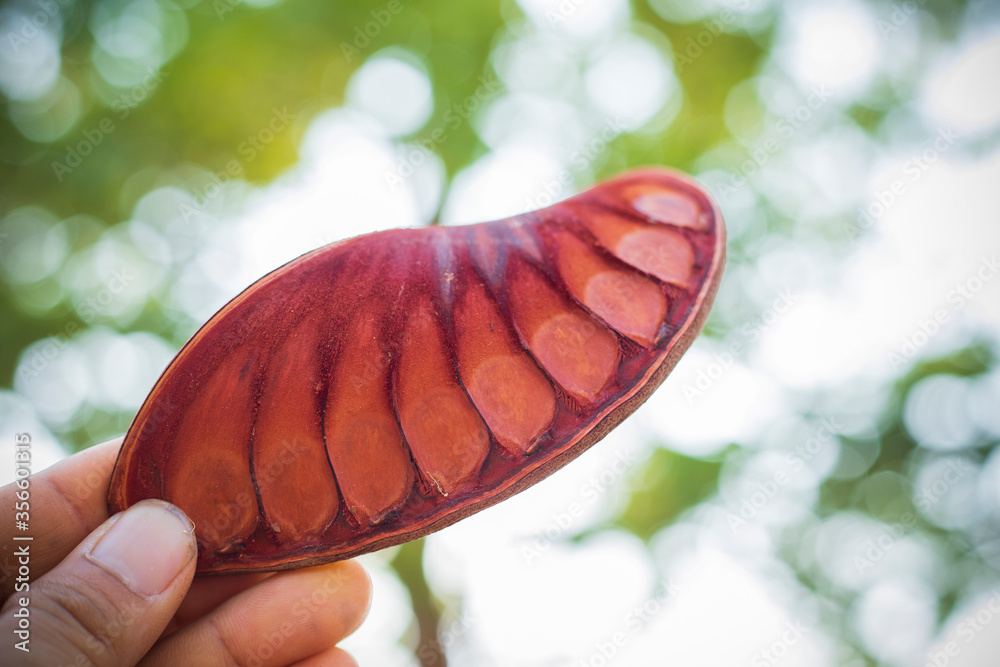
110, 599
290, 616
332, 657
207, 593
68, 501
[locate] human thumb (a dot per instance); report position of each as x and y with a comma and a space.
110, 599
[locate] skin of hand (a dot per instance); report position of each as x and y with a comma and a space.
121, 590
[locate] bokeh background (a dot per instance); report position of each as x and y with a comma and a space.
818, 481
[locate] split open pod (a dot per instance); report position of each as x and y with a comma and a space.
384, 387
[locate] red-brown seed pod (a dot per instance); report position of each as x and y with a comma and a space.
384, 387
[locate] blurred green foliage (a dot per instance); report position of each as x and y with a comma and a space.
667, 484
238, 64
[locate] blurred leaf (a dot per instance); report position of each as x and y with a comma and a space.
667, 484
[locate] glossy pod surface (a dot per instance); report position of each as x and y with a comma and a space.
380, 388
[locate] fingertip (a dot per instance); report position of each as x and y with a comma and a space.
289, 616
353, 587
361, 582
109, 600
148, 547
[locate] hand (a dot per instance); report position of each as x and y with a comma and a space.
119, 590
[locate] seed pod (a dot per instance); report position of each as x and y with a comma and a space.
381, 388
